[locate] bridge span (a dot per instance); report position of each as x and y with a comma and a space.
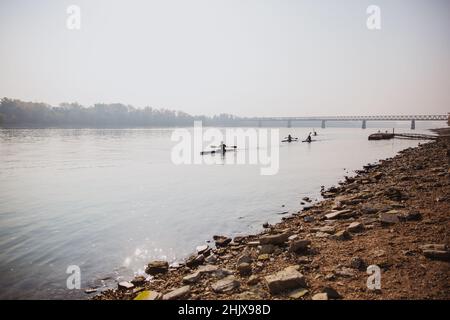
363, 119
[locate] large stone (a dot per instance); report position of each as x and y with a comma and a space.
225, 285
411, 216
287, 279
320, 296
139, 280
299, 245
179, 293
266, 249
355, 227
244, 269
156, 267
221, 241
436, 251
211, 259
275, 239
357, 263
325, 229
342, 235
298, 293
331, 293
389, 217
244, 258
253, 280
202, 249
149, 295
195, 260
192, 278
338, 214
125, 285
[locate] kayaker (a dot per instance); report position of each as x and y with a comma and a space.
289, 138
314, 133
309, 138
223, 146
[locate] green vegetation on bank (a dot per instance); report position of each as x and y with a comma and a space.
17, 113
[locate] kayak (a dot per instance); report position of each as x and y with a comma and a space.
293, 139
309, 141
219, 151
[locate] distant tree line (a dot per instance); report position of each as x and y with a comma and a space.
17, 113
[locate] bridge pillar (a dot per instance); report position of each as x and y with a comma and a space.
323, 124
413, 124
289, 124
364, 124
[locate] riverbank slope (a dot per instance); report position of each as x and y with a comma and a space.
394, 215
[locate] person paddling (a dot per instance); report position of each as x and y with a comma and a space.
223, 146
289, 138
309, 138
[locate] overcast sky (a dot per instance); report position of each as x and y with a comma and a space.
245, 57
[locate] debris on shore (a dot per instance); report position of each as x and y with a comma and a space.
394, 214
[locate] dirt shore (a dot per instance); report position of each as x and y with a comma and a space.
393, 214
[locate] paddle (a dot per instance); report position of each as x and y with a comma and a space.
220, 147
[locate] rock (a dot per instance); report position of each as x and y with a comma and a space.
342, 235
221, 241
238, 239
437, 254
387, 218
279, 238
331, 293
344, 272
253, 243
395, 194
366, 209
284, 280
156, 267
211, 259
244, 258
139, 280
299, 245
222, 273
338, 214
202, 249
149, 295
325, 229
179, 293
266, 248
308, 219
357, 263
355, 227
253, 280
322, 235
192, 278
320, 296
411, 216
298, 293
225, 285
195, 260
125, 285
433, 246
436, 251
90, 290
306, 199
244, 269
263, 257
207, 269
266, 225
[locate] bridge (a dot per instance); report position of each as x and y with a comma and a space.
363, 119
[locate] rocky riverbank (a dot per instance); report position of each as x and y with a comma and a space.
394, 214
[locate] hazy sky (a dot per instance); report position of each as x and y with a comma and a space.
246, 57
